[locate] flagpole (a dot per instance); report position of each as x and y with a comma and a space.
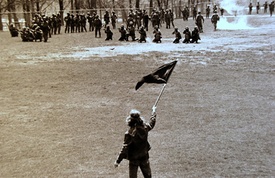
160, 95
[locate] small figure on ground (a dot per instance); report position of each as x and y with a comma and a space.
177, 35
13, 30
109, 33
131, 32
187, 35
123, 33
195, 35
157, 35
142, 33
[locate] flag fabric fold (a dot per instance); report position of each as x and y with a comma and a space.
160, 75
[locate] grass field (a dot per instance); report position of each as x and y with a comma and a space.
63, 103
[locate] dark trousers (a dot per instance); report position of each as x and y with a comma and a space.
144, 165
97, 30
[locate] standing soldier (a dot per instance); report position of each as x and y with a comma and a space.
214, 19
146, 20
199, 22
258, 7
186, 13
83, 21
130, 19
250, 8
171, 17
114, 19
155, 19
177, 35
222, 11
215, 8
207, 12
271, 8
162, 15
93, 20
72, 23
265, 7
90, 21
106, 18
98, 25
58, 23
167, 19
67, 20
138, 19
194, 12
77, 23
45, 28
53, 24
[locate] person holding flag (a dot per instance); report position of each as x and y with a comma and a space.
136, 146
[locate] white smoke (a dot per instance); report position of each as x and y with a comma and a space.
239, 23
237, 10
233, 7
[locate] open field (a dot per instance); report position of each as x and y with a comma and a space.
63, 103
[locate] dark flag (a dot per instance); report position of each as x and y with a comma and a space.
161, 75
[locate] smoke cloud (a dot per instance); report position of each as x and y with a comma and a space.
237, 10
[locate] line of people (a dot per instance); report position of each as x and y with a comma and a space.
265, 6
127, 33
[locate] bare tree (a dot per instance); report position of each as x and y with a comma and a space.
11, 8
137, 4
26, 10
61, 11
1, 10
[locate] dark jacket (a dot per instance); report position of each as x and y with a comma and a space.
136, 145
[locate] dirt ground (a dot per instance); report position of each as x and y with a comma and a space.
63, 103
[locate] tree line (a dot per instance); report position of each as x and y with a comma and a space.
26, 9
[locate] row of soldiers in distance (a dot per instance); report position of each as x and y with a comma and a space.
195, 11
130, 31
77, 23
265, 5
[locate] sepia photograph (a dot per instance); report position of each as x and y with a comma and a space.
137, 88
